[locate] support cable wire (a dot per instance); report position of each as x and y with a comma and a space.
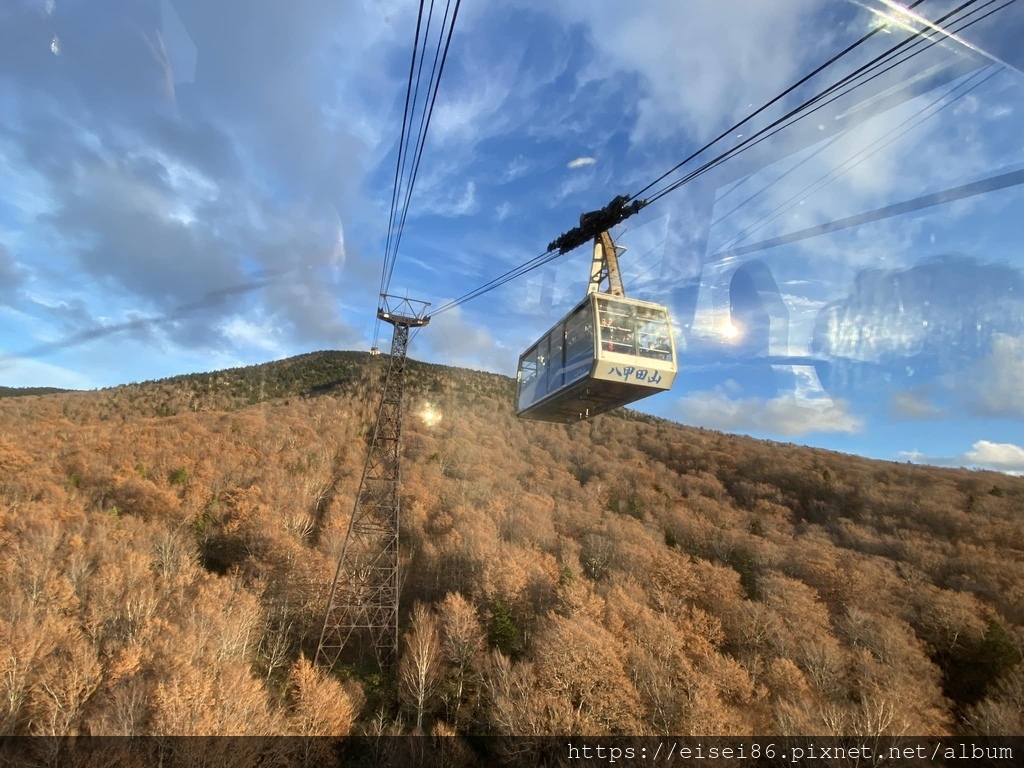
793, 116
865, 153
391, 248
500, 280
798, 113
406, 119
838, 136
773, 182
636, 279
973, 189
828, 144
425, 128
404, 186
767, 104
549, 255
858, 73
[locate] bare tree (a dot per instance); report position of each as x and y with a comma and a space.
419, 671
463, 642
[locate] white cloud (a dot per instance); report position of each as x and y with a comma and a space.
1001, 457
33, 373
491, 89
803, 313
518, 167
871, 165
580, 162
691, 73
453, 339
581, 185
467, 203
264, 336
474, 113
916, 457
437, 203
25, 189
912, 405
1006, 457
786, 415
996, 386
188, 187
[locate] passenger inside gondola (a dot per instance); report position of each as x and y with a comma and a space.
617, 329
654, 335
607, 331
651, 349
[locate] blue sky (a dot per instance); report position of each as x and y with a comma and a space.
190, 186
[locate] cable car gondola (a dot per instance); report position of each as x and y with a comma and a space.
609, 351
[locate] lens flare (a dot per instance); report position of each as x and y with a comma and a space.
430, 415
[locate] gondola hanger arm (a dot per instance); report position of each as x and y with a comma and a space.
594, 223
606, 265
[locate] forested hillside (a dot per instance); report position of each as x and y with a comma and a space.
23, 391
165, 549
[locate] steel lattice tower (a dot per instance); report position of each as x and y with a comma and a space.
364, 595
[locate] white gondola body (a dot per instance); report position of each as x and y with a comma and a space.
573, 373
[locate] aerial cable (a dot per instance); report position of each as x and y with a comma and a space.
391, 249
426, 127
522, 269
552, 253
398, 165
838, 136
781, 123
398, 162
878, 61
878, 74
791, 169
990, 184
798, 113
809, 190
512, 274
757, 137
864, 154
636, 263
864, 69
951, 35
835, 138
767, 104
747, 178
535, 263
396, 224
